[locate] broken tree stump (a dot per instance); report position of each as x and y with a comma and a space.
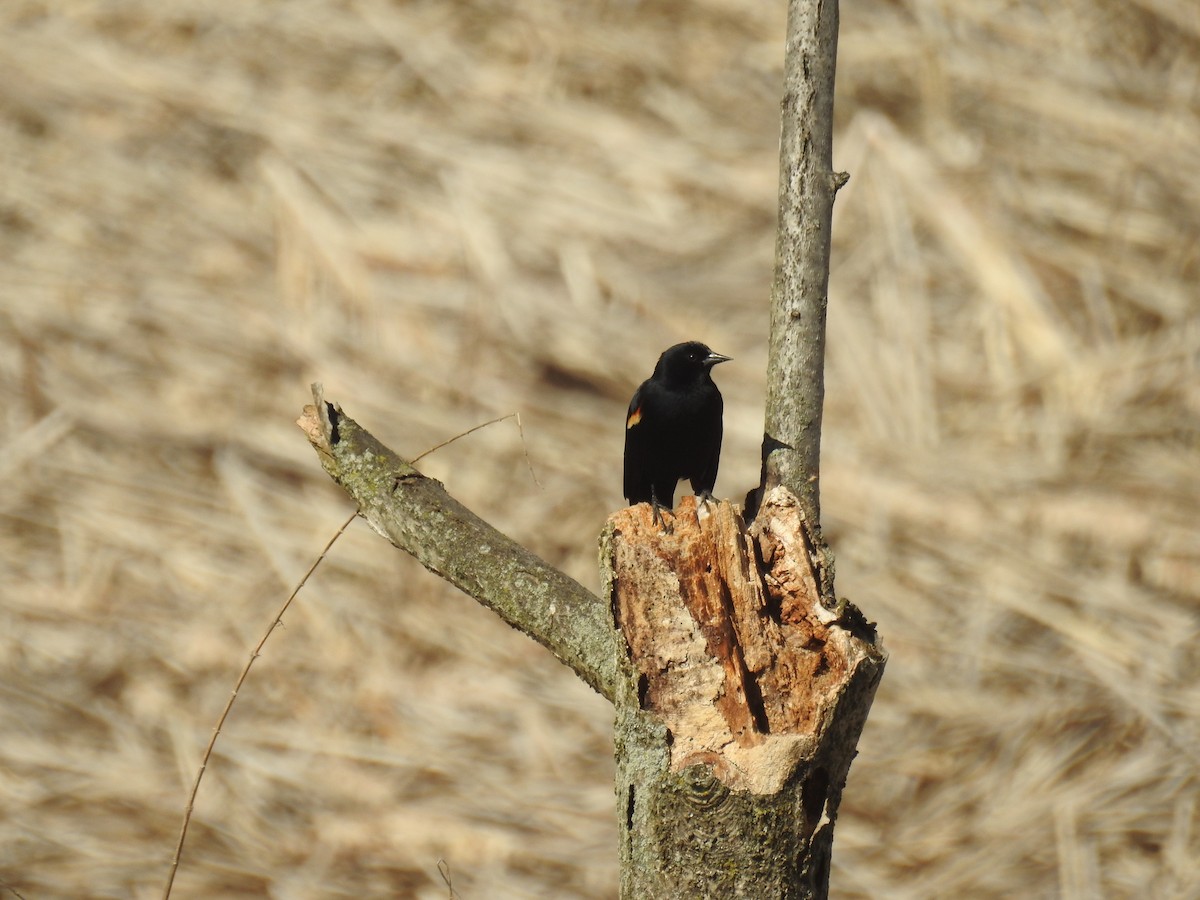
743, 687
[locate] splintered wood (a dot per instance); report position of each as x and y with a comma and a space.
726, 632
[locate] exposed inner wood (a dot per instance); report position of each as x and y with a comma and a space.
725, 628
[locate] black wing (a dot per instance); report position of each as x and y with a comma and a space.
709, 449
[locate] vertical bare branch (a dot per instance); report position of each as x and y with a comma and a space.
807, 184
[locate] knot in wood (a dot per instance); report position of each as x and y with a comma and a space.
701, 789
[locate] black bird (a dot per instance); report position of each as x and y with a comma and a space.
673, 428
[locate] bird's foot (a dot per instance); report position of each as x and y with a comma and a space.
706, 497
660, 513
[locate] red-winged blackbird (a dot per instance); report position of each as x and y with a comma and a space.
673, 428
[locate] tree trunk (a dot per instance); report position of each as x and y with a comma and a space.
743, 684
740, 700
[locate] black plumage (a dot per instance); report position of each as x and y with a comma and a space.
673, 427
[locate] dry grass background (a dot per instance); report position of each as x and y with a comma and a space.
449, 211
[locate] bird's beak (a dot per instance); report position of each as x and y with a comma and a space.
713, 358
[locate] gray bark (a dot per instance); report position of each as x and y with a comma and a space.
807, 185
416, 514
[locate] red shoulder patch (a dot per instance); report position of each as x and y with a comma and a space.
634, 418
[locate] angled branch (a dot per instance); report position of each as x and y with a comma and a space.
417, 515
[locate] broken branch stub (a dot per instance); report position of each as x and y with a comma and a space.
732, 642
742, 689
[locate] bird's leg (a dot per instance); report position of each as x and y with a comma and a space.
706, 497
659, 510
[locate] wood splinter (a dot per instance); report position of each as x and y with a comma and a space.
726, 630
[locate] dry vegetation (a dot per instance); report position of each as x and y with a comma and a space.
448, 211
